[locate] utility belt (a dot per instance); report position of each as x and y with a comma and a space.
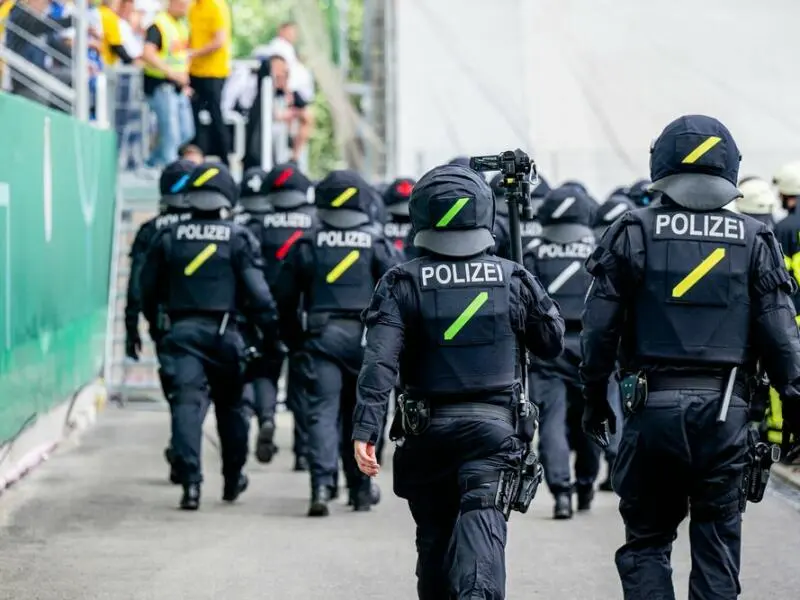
516, 488
313, 323
635, 388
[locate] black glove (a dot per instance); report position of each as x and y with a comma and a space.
133, 345
599, 421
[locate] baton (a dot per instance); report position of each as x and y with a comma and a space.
726, 398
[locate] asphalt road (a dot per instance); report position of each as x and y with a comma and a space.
99, 521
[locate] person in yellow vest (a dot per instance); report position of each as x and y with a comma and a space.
5, 9
112, 50
210, 43
166, 81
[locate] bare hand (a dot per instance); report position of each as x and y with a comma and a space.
187, 91
365, 458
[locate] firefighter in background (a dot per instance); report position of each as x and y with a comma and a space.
757, 200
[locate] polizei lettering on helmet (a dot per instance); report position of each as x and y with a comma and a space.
205, 233
460, 274
396, 230
700, 227
292, 220
344, 239
571, 250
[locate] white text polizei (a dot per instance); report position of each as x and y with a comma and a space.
205, 233
465, 273
698, 225
571, 250
171, 219
344, 239
294, 220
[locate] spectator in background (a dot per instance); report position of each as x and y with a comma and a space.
112, 49
210, 55
166, 81
130, 35
285, 45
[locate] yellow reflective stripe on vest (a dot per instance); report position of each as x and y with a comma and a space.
174, 45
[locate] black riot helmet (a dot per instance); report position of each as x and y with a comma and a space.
639, 193
566, 215
452, 212
461, 161
609, 211
397, 195
286, 187
501, 206
252, 196
695, 163
343, 199
172, 184
211, 187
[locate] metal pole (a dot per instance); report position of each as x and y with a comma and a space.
80, 61
101, 103
267, 95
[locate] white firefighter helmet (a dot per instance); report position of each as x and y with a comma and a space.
757, 197
787, 179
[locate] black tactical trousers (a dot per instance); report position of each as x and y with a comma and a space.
198, 365
674, 459
264, 390
331, 400
615, 401
299, 372
460, 548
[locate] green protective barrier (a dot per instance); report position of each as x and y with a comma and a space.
57, 195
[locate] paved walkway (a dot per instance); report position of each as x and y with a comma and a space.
99, 521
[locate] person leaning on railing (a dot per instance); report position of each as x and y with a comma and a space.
166, 81
113, 49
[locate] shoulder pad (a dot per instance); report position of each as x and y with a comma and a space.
772, 275
602, 258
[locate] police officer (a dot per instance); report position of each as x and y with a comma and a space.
757, 200
787, 181
692, 295
451, 323
251, 199
280, 215
639, 192
200, 272
566, 241
334, 272
172, 208
395, 197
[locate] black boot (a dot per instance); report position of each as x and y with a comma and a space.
606, 485
174, 474
375, 493
191, 497
363, 497
320, 496
300, 463
234, 487
585, 496
265, 445
563, 507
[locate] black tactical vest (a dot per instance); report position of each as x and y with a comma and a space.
396, 233
464, 342
278, 232
560, 268
200, 266
693, 304
530, 233
344, 280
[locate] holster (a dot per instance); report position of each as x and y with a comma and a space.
414, 417
760, 456
633, 392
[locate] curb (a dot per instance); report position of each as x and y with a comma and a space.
36, 444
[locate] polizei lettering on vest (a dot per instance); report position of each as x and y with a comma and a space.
396, 230
205, 233
699, 226
459, 274
572, 250
171, 219
344, 239
293, 220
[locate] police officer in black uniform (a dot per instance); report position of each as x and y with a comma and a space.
172, 208
639, 193
200, 273
451, 323
692, 295
566, 242
395, 198
334, 272
280, 215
